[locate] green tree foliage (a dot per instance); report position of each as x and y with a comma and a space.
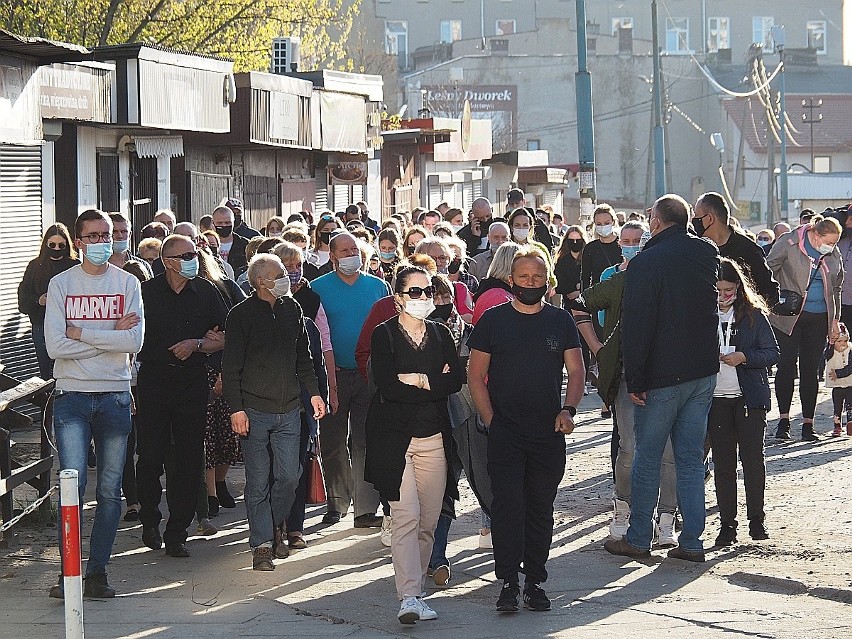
237, 29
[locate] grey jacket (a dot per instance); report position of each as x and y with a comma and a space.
791, 266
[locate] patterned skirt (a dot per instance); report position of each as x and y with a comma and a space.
221, 444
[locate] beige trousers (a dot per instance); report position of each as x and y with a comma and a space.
415, 515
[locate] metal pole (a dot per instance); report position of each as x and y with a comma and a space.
585, 121
71, 556
659, 136
783, 188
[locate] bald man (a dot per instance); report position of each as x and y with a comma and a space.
475, 232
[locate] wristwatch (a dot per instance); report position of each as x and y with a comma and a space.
571, 410
198, 345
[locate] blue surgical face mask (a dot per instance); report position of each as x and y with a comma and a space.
189, 269
98, 254
629, 252
387, 257
120, 246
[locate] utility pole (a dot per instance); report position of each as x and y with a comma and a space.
778, 35
659, 136
585, 121
811, 105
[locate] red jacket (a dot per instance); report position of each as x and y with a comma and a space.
382, 311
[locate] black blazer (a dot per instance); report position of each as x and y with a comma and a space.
237, 255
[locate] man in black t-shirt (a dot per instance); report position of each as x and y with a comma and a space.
521, 348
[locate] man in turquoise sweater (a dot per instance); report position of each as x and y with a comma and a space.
347, 295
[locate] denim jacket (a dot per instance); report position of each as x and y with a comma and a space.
757, 342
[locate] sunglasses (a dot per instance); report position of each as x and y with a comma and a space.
326, 218
415, 292
54, 245
186, 257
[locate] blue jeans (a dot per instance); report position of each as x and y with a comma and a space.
439, 546
679, 412
77, 419
272, 453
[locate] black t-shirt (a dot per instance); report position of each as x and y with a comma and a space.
527, 360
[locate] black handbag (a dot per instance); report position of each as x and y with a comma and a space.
790, 303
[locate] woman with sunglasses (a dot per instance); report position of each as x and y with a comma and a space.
409, 438
317, 261
57, 254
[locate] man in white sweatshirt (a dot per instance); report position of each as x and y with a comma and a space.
93, 321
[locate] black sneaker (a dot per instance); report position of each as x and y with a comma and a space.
212, 506
535, 598
368, 521
757, 530
509, 599
727, 535
96, 587
57, 590
782, 432
808, 434
151, 537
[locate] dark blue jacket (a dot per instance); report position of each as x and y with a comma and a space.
670, 320
757, 343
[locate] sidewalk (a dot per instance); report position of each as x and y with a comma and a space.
796, 584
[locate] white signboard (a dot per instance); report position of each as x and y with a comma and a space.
283, 116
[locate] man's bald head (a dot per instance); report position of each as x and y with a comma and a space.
187, 229
481, 209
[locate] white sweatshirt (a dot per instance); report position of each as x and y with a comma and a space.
838, 359
99, 361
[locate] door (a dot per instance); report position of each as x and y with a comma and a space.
20, 241
108, 181
205, 191
143, 188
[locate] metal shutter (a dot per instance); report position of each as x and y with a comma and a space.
467, 196
435, 195
20, 241
477, 189
321, 191
341, 196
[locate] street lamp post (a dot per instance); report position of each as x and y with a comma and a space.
585, 121
812, 105
659, 135
779, 37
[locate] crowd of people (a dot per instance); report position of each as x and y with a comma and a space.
424, 348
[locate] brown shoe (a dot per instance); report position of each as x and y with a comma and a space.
296, 541
279, 544
687, 555
262, 559
621, 547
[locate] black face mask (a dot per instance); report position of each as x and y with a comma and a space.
454, 267
56, 253
529, 296
698, 225
442, 312
224, 231
575, 245
325, 238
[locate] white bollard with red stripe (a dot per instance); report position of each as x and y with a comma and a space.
72, 561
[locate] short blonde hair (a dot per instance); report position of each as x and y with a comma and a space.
287, 250
530, 251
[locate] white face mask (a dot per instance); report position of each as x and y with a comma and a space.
457, 228
521, 234
420, 309
349, 265
281, 286
603, 230
825, 249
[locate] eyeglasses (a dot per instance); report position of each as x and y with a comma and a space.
415, 292
186, 257
54, 245
92, 238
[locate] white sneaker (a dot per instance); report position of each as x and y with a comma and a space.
426, 613
409, 610
485, 541
386, 531
666, 535
620, 519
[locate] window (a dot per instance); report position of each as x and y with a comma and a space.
396, 41
621, 23
718, 34
504, 27
816, 35
677, 35
450, 30
762, 32
533, 145
822, 164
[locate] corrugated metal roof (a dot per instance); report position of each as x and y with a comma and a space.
819, 186
132, 50
39, 48
829, 79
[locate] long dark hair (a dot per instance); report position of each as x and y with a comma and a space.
749, 301
43, 259
563, 249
